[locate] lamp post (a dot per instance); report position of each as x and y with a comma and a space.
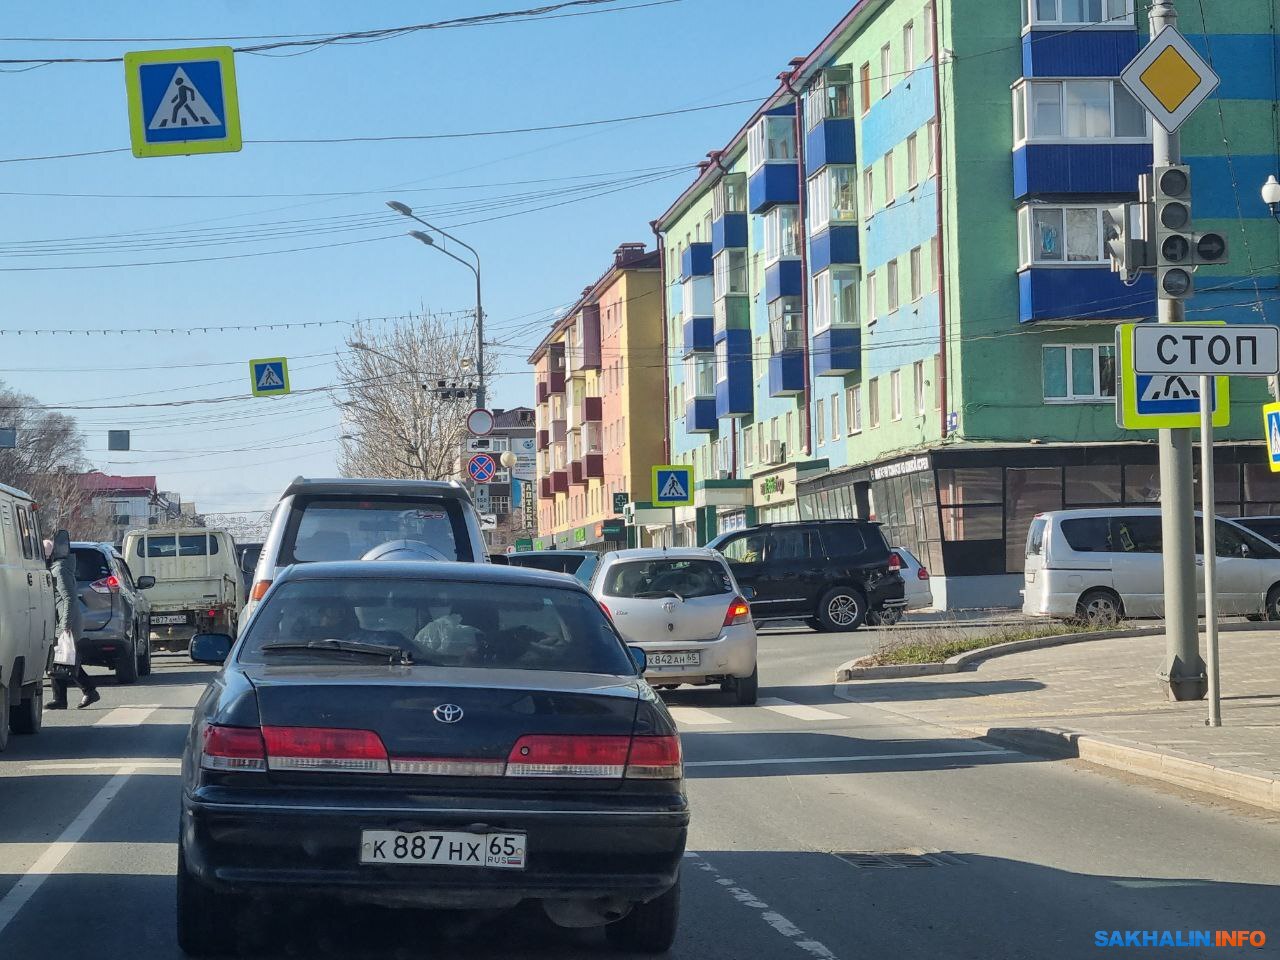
1271, 195
407, 211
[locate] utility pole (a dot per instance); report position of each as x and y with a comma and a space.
1183, 671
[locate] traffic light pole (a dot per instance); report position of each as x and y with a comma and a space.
1182, 672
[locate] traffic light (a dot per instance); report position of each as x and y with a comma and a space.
1123, 229
1210, 248
1174, 238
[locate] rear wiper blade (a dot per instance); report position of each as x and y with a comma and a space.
655, 594
393, 653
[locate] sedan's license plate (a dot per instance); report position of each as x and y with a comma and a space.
169, 618
688, 658
444, 848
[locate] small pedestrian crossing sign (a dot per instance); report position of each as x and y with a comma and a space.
672, 486
1271, 425
270, 377
182, 101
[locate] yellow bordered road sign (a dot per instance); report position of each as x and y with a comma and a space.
269, 377
182, 101
1271, 430
1169, 78
1155, 401
673, 486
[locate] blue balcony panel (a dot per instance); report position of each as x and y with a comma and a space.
786, 374
1078, 53
734, 394
833, 245
783, 279
772, 184
695, 261
831, 141
729, 231
837, 351
700, 415
698, 333
1060, 168
1082, 293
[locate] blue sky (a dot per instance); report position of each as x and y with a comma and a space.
681, 54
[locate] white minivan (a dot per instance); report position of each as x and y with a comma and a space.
1100, 566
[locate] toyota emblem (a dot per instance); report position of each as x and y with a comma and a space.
669, 606
447, 713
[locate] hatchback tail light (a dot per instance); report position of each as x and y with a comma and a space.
607, 612
233, 748
895, 563
922, 574
109, 584
325, 748
260, 589
739, 612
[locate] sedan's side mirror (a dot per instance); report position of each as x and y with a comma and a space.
748, 593
639, 658
146, 583
210, 647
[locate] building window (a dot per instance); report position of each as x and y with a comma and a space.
781, 233
927, 19
935, 256
1079, 374
1056, 235
931, 133
909, 47
890, 190
868, 190
830, 97
1066, 110
700, 375
833, 197
853, 409
1077, 12
835, 416
891, 281
772, 140
748, 451
886, 81
914, 262
972, 503
864, 84
895, 395
835, 298
730, 195
785, 332
913, 168
821, 419
722, 361
873, 402
871, 297
917, 386
729, 270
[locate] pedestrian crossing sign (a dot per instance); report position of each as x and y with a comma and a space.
1162, 401
182, 101
270, 377
1271, 426
673, 486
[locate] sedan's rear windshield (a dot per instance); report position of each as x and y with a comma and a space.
346, 529
665, 578
91, 564
439, 623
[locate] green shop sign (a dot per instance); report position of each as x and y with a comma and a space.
580, 535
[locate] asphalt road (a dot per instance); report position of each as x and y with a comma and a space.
821, 829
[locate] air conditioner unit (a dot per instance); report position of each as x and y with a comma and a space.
774, 453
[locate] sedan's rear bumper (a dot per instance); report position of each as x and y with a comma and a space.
573, 854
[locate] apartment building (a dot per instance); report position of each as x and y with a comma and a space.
889, 294
597, 374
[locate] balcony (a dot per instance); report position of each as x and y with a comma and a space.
697, 295
560, 481
783, 279
835, 245
729, 231
772, 184
1071, 52
584, 353
545, 490
555, 382
578, 473
695, 261
837, 351
786, 373
544, 439
559, 430
542, 391
592, 409
734, 392
1066, 168
731, 312
594, 465
700, 415
698, 334
831, 141
1082, 293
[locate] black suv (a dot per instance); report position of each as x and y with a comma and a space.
117, 617
830, 573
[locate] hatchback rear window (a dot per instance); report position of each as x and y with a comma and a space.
439, 623
651, 579
347, 529
184, 545
91, 565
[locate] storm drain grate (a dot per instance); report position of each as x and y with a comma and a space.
898, 861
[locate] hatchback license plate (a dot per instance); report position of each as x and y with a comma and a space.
689, 658
169, 618
444, 848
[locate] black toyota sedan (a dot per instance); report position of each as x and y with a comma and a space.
430, 734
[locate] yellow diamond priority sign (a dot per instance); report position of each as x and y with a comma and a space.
1169, 78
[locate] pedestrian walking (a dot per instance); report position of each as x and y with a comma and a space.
68, 619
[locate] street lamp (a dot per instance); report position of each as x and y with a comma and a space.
1271, 195
407, 211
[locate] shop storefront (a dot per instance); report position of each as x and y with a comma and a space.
775, 492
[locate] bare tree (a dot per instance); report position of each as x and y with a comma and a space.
398, 423
47, 460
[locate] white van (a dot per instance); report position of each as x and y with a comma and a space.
1100, 566
26, 615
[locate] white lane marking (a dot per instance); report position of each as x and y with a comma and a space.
42, 765
781, 924
125, 717
694, 716
867, 758
56, 852
798, 711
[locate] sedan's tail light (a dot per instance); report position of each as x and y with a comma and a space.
895, 563
596, 757
739, 612
325, 748
109, 584
260, 589
233, 748
655, 758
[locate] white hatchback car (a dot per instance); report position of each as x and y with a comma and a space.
684, 609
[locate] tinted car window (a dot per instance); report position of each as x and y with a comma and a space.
330, 529
794, 544
663, 578
1268, 527
843, 540
1088, 534
186, 545
1035, 537
556, 564
441, 623
91, 565
748, 548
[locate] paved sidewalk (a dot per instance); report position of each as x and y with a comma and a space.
1101, 700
